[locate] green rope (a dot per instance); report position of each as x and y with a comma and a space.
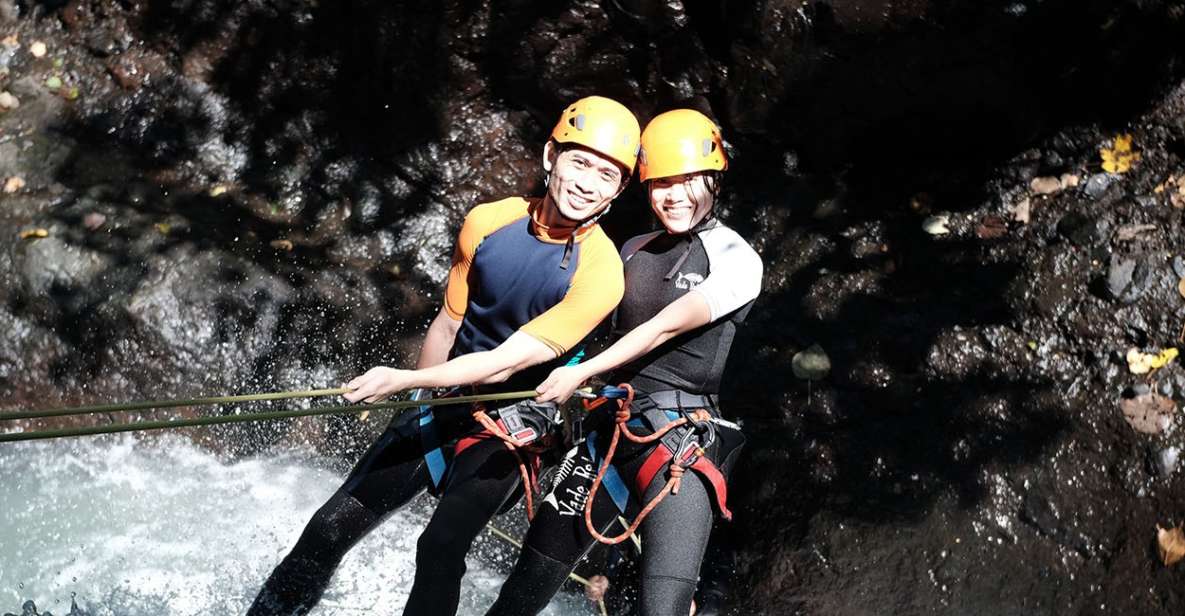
167, 404
266, 416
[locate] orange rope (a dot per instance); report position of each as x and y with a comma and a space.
676, 470
513, 444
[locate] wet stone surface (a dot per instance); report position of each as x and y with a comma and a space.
234, 199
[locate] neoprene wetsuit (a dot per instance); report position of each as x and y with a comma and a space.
508, 274
659, 268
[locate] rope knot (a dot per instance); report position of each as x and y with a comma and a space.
676, 472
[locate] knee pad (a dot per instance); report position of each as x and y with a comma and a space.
335, 528
665, 595
532, 584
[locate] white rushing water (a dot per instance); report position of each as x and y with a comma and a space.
162, 528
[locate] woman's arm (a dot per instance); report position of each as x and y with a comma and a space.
680, 316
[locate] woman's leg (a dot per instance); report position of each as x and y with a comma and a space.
557, 539
675, 536
390, 473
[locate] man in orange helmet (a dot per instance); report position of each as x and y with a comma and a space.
530, 278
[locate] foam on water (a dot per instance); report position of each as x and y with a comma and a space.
160, 527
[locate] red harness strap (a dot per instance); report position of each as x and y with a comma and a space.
528, 469
675, 467
661, 457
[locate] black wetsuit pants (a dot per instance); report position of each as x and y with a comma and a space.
480, 482
675, 536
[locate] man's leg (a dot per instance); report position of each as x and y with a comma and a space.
389, 475
557, 539
483, 478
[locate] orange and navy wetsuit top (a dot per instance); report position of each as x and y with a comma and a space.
510, 273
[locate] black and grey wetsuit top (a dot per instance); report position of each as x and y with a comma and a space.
660, 267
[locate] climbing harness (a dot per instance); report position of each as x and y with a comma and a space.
525, 428
677, 451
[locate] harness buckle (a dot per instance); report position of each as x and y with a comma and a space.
527, 421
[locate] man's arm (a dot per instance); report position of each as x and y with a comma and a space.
439, 340
519, 351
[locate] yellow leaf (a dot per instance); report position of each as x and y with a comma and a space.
1171, 543
1164, 358
1120, 156
1143, 363
34, 234
163, 228
285, 245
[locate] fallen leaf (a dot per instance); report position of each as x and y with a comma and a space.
1171, 543
991, 227
936, 225
1139, 362
1045, 185
1165, 357
219, 190
34, 234
1021, 212
285, 245
13, 184
1069, 180
11, 41
53, 82
1177, 198
8, 101
1120, 156
1149, 413
163, 228
363, 415
1181, 287
38, 49
93, 221
1128, 233
811, 364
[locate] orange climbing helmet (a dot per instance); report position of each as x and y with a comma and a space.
681, 141
601, 124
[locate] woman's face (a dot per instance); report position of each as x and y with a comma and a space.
681, 201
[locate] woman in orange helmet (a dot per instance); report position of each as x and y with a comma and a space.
530, 278
688, 287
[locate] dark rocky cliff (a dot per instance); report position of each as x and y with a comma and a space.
261, 195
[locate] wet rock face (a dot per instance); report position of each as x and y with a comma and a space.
263, 195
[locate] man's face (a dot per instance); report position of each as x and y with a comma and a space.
680, 201
583, 183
